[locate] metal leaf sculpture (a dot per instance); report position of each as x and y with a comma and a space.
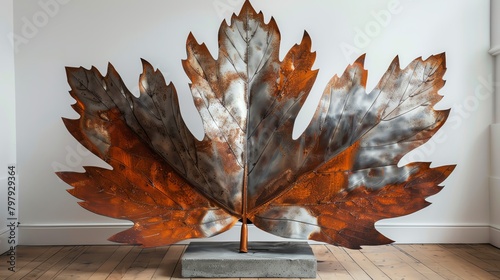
331, 184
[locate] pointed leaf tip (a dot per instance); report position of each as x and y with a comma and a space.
248, 8
306, 39
361, 60
395, 60
147, 66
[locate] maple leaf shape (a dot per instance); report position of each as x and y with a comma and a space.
331, 184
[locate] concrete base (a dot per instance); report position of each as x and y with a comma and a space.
263, 260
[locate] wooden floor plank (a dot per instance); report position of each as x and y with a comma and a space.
23, 256
366, 264
415, 263
109, 265
196, 278
461, 268
272, 278
62, 261
145, 266
87, 263
329, 266
177, 275
412, 261
472, 256
485, 252
169, 262
391, 264
49, 263
34, 264
418, 252
124, 265
232, 278
457, 264
493, 251
348, 263
469, 265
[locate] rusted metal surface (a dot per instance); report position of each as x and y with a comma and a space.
331, 184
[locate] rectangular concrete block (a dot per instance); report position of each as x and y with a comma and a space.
263, 260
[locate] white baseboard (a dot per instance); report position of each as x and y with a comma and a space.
406, 234
89, 234
98, 234
4, 240
34, 235
495, 237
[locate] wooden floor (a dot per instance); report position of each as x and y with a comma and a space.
379, 262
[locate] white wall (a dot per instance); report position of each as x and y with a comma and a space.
495, 185
95, 32
7, 113
495, 129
